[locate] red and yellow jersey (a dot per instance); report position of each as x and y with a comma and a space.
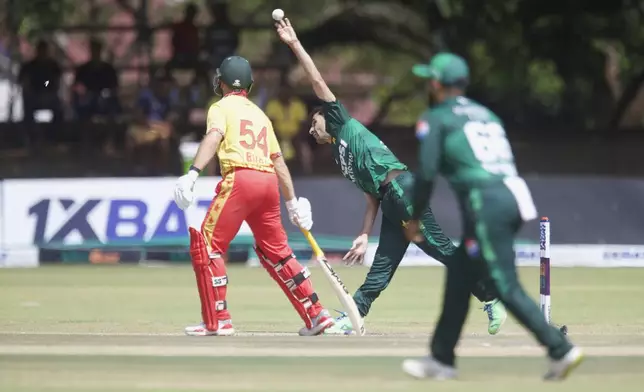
249, 140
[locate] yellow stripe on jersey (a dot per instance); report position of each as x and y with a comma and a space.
249, 140
214, 211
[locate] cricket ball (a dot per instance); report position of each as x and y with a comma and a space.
278, 14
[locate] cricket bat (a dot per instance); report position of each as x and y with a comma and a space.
338, 287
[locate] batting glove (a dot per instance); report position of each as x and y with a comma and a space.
299, 213
183, 190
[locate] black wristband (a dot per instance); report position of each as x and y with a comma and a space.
195, 168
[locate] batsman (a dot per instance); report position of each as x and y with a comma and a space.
466, 142
253, 172
386, 183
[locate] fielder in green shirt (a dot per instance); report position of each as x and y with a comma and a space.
466, 143
374, 169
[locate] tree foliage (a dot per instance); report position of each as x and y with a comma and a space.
30, 16
571, 63
537, 62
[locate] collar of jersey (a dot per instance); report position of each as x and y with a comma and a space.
241, 93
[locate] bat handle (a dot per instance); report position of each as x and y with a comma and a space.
317, 251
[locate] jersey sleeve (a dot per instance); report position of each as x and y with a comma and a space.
335, 114
274, 149
216, 120
429, 131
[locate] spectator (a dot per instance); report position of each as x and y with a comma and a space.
40, 81
305, 145
222, 37
95, 89
184, 99
185, 41
150, 136
288, 114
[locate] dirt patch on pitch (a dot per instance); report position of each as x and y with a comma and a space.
282, 346
161, 351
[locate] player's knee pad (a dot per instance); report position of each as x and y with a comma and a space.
294, 281
210, 272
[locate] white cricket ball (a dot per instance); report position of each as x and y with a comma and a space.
278, 14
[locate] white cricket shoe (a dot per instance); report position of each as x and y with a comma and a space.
319, 324
225, 328
342, 325
428, 367
559, 369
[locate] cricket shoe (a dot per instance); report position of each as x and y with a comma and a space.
496, 316
318, 324
225, 328
342, 325
560, 368
428, 367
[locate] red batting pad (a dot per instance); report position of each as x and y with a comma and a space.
200, 264
302, 297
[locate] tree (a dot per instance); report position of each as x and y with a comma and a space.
535, 62
28, 17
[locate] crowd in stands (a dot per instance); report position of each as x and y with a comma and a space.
169, 109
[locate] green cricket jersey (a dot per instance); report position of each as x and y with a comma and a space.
466, 143
363, 158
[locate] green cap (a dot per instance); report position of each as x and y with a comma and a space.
236, 72
446, 68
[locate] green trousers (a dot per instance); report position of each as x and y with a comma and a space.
396, 207
491, 221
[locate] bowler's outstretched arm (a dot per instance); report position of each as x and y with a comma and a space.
288, 36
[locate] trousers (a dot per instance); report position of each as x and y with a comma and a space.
252, 196
392, 245
491, 220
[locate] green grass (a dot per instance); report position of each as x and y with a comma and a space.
602, 308
296, 374
138, 299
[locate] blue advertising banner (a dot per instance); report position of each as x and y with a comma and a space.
137, 217
581, 210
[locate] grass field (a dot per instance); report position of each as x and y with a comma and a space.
120, 329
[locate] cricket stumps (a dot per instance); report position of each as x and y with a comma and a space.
544, 271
